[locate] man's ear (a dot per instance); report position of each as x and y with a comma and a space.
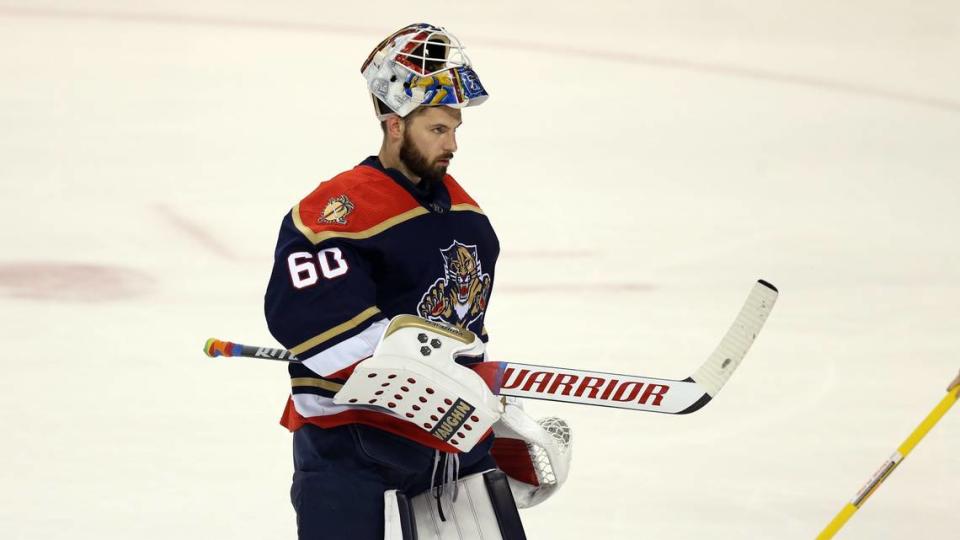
395, 126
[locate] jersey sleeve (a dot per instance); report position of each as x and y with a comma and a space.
321, 301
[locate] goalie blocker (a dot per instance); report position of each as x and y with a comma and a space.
413, 375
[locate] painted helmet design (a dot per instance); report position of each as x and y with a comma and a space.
420, 64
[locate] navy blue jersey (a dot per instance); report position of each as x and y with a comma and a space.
361, 248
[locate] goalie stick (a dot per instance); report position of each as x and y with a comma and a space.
600, 388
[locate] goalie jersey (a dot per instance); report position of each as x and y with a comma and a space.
361, 248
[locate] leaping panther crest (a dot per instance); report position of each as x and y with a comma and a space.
460, 296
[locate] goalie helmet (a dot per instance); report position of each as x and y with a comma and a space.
420, 64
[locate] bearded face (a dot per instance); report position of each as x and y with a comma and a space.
429, 141
431, 169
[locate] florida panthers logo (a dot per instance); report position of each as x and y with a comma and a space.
460, 297
337, 210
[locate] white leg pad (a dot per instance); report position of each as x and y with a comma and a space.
398, 518
392, 517
471, 517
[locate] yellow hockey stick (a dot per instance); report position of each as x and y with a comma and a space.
861, 497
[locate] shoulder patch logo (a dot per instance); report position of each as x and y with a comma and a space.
460, 296
337, 210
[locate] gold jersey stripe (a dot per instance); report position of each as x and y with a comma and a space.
317, 237
466, 208
316, 383
336, 330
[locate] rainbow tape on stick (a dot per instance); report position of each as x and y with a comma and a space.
215, 347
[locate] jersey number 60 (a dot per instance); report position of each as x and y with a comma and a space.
303, 269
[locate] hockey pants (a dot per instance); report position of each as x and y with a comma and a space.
340, 475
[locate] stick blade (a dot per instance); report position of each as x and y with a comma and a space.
718, 368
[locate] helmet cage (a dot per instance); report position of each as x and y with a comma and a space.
419, 65
420, 54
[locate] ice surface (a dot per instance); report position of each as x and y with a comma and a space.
643, 163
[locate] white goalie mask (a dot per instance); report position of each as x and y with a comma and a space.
420, 64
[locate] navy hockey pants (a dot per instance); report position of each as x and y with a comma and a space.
340, 475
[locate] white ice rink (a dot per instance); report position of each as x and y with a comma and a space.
643, 163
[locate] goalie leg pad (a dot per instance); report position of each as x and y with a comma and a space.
484, 510
399, 521
501, 497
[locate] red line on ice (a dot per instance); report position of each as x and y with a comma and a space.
623, 57
195, 231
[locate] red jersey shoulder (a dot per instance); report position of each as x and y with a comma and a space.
458, 195
353, 201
